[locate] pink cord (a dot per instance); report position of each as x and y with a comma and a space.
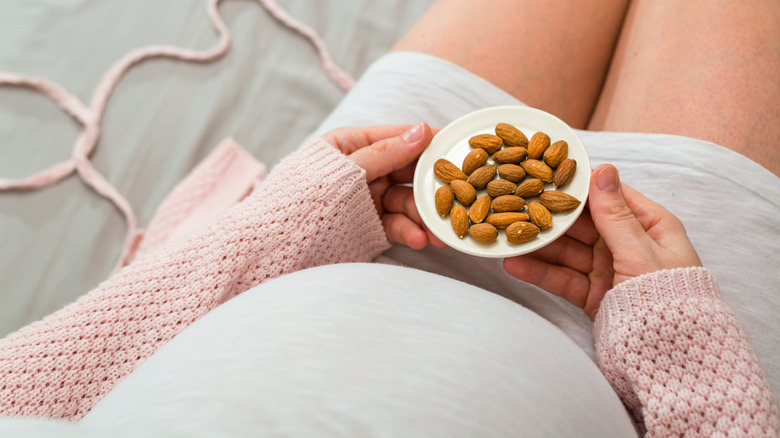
90, 117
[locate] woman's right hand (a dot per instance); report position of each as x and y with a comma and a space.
389, 155
621, 235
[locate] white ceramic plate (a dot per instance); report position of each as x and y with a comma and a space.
452, 143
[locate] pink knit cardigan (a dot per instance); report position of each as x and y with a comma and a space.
314, 209
680, 360
670, 347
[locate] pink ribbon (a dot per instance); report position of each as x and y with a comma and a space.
91, 116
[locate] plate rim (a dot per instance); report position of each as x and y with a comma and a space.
424, 165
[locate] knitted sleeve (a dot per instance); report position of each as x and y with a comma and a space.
313, 209
679, 359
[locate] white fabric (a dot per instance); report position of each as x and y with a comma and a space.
729, 204
29, 427
366, 350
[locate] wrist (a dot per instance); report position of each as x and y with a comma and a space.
330, 191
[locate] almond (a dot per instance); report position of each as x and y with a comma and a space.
479, 209
511, 172
564, 173
474, 160
512, 155
464, 192
556, 153
537, 169
506, 203
446, 171
529, 188
489, 142
519, 232
499, 187
444, 199
482, 176
460, 220
539, 215
511, 135
503, 220
537, 145
483, 233
559, 202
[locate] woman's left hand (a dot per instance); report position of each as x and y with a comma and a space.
388, 154
621, 235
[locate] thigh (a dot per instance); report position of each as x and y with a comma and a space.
704, 69
550, 55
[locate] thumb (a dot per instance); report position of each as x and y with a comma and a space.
611, 215
385, 156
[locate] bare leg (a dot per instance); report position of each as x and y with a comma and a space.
708, 69
551, 55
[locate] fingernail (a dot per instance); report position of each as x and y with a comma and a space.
414, 134
607, 179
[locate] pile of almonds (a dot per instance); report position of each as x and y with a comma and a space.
517, 200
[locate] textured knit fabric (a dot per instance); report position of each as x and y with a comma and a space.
667, 343
314, 209
220, 181
679, 359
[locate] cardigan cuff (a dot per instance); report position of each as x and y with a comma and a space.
337, 183
641, 292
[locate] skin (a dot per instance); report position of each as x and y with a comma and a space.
551, 55
621, 235
388, 154
699, 68
705, 69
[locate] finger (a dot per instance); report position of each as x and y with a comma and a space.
350, 139
564, 282
602, 278
583, 229
405, 175
647, 211
435, 241
611, 215
385, 156
659, 222
400, 199
663, 227
401, 229
377, 189
567, 252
